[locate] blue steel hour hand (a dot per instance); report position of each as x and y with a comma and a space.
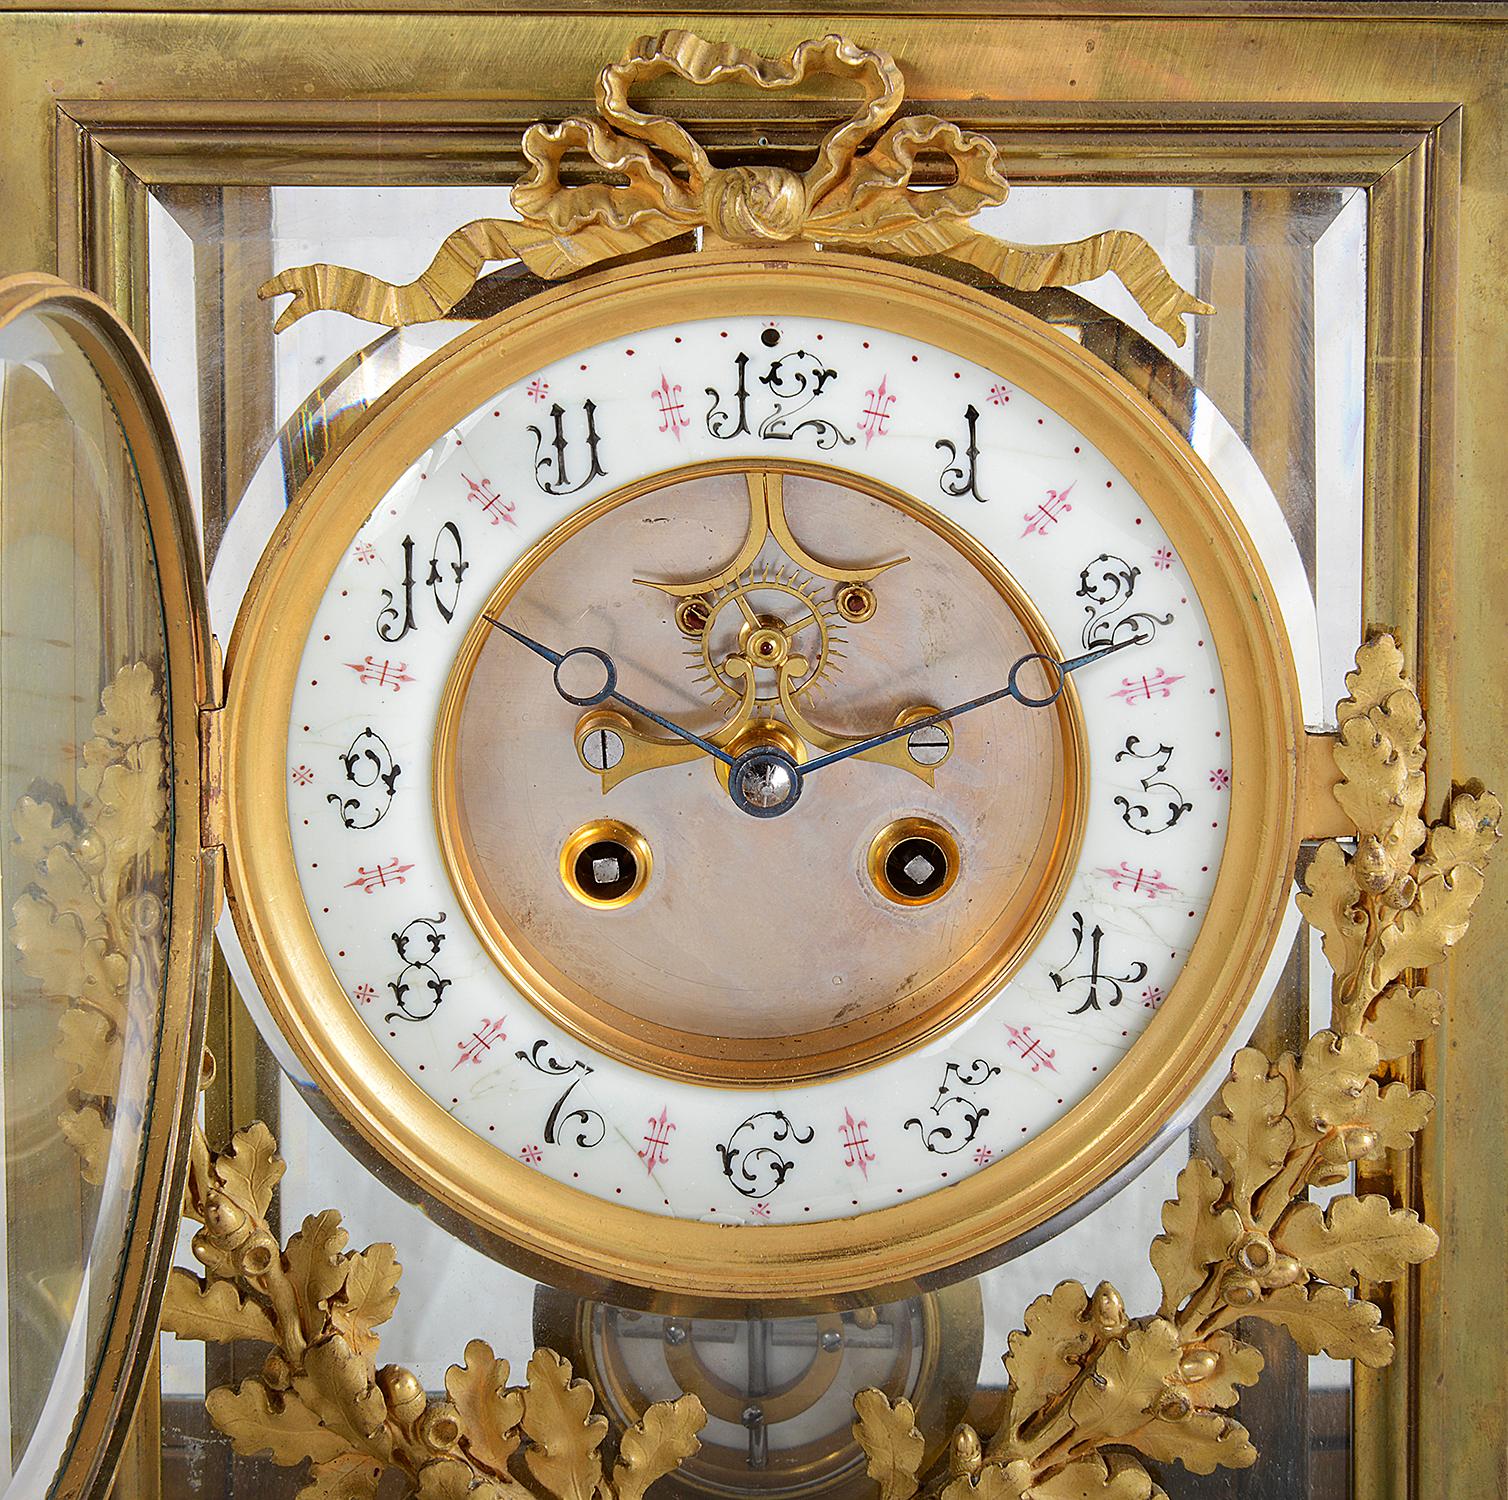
577, 656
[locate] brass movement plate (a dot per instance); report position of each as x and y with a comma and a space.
763, 908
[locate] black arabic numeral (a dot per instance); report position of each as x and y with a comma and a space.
755, 1166
591, 1128
955, 1113
418, 945
720, 423
368, 764
1138, 816
796, 380
1101, 984
962, 478
551, 472
447, 567
389, 613
1108, 584
444, 579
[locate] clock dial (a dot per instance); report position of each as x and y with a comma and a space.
765, 769
719, 964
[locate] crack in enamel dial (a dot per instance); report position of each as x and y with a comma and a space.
671, 547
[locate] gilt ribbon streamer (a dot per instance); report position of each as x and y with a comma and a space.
855, 196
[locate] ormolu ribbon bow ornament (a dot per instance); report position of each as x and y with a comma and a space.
853, 197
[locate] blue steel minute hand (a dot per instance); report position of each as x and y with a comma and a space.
1060, 669
609, 689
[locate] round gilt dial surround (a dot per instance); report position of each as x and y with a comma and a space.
869, 1162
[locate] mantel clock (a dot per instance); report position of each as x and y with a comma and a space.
761, 776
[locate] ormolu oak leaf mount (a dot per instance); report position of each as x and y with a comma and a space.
322, 1397
1092, 1390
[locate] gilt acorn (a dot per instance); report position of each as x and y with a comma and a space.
1197, 1365
1400, 895
1240, 1289
1257, 1254
1285, 1271
964, 1456
1370, 867
226, 1223
1254, 1252
405, 1395
1360, 1144
440, 1427
1109, 1311
258, 1255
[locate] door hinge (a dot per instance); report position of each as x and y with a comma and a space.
212, 756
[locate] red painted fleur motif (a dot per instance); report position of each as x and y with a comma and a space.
532, 1155
673, 418
538, 389
302, 775
364, 552
1220, 778
379, 877
1162, 559
1140, 881
999, 395
856, 1150
657, 1141
1152, 996
983, 1156
1049, 513
363, 994
762, 1210
480, 1041
1157, 684
383, 674
877, 412
494, 507
1030, 1048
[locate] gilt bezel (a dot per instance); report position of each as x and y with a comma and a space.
559, 1230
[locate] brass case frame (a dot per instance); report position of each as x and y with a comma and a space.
101, 105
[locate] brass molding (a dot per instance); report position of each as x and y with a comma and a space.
1241, 1240
857, 195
